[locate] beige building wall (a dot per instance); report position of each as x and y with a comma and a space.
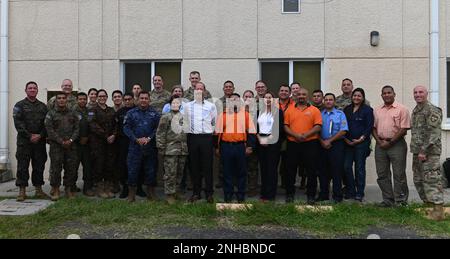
86, 41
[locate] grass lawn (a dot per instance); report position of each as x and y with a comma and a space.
346, 220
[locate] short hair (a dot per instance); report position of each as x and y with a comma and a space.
92, 89
296, 83
249, 91
60, 93
236, 94
204, 86
347, 79
137, 85
228, 82
285, 85
360, 90
194, 73
117, 92
177, 87
128, 94
102, 90
261, 81
144, 92
174, 98
388, 87
156, 76
81, 94
30, 83
317, 91
330, 94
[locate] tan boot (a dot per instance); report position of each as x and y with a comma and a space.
171, 199
437, 213
151, 195
69, 193
109, 190
131, 194
22, 194
100, 191
40, 194
55, 193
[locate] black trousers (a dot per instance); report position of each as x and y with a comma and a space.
305, 153
122, 156
332, 168
201, 162
37, 154
269, 158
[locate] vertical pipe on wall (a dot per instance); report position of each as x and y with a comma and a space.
434, 52
4, 91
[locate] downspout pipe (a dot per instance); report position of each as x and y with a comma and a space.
4, 91
434, 52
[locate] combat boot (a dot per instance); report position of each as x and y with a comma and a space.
22, 194
124, 192
40, 194
151, 195
109, 190
437, 213
99, 190
55, 193
131, 194
88, 192
69, 193
171, 199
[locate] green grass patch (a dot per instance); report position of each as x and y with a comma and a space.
345, 220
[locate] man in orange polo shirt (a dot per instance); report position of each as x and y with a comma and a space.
302, 123
236, 139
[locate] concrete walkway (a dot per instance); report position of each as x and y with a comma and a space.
373, 193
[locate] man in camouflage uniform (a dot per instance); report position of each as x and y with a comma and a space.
194, 78
83, 150
171, 142
29, 115
63, 129
345, 99
66, 87
426, 147
159, 96
102, 136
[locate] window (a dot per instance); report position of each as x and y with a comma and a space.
135, 72
290, 6
307, 73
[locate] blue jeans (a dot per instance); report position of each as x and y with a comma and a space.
234, 165
356, 182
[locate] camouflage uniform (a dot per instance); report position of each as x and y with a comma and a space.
71, 102
83, 150
29, 119
173, 146
343, 101
102, 124
61, 125
158, 100
426, 139
189, 94
123, 144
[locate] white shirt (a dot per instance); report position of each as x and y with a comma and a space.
201, 117
265, 123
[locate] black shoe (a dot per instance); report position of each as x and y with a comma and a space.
219, 185
320, 199
337, 201
310, 201
124, 193
75, 189
140, 192
385, 204
289, 199
194, 198
210, 199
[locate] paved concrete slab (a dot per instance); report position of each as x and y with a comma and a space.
28, 207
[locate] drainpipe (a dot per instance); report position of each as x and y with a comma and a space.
434, 52
5, 173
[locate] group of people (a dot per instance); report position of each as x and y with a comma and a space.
259, 134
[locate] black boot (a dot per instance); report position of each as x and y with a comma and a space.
124, 193
140, 192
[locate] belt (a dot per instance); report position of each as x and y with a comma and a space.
265, 135
233, 143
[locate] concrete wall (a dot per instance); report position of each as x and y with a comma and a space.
86, 40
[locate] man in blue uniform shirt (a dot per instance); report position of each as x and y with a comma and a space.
140, 125
334, 128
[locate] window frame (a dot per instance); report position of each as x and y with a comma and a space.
285, 12
152, 63
291, 68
